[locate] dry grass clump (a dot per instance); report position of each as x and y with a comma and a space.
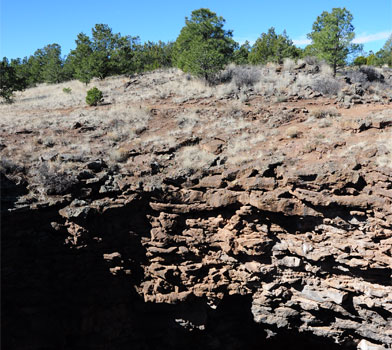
238, 144
326, 69
384, 146
186, 123
193, 158
240, 75
227, 125
310, 60
224, 91
55, 177
240, 148
303, 81
327, 85
324, 113
180, 86
288, 64
271, 83
154, 141
293, 132
120, 154
325, 124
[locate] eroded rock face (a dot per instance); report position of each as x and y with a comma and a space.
304, 251
197, 218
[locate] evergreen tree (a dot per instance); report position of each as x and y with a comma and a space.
203, 46
36, 63
271, 47
205, 60
241, 53
103, 44
9, 81
123, 58
360, 61
332, 37
52, 64
152, 56
68, 68
372, 59
22, 69
103, 55
99, 63
80, 59
385, 54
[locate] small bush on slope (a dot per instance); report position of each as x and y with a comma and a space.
241, 75
327, 86
94, 96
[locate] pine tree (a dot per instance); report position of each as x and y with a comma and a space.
241, 53
332, 37
9, 81
385, 54
52, 64
80, 59
271, 47
203, 46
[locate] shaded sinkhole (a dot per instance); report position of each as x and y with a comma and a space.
58, 296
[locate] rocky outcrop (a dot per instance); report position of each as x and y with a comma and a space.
181, 215
306, 251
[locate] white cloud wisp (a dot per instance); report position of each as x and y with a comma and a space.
363, 39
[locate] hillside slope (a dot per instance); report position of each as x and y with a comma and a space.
257, 212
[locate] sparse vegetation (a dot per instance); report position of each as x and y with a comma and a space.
120, 155
193, 159
328, 86
324, 113
241, 75
293, 132
67, 90
55, 180
371, 74
183, 138
356, 76
203, 48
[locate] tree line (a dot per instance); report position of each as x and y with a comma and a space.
202, 48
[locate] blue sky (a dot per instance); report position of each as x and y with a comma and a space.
26, 25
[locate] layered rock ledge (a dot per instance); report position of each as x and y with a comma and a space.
292, 247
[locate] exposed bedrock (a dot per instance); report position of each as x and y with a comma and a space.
255, 258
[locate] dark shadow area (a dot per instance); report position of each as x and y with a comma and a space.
10, 191
60, 296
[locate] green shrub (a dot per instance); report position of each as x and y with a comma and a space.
94, 96
360, 61
67, 90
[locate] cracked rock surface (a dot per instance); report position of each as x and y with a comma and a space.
166, 249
